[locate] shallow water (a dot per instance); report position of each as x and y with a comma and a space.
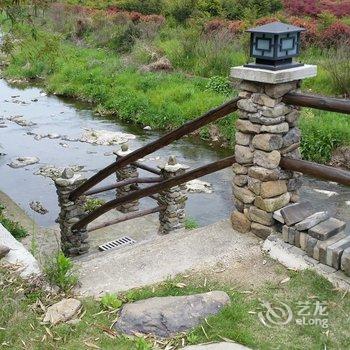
65, 117
56, 115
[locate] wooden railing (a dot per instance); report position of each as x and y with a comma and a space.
159, 184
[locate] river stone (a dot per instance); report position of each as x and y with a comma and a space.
327, 229
270, 189
62, 311
239, 169
295, 183
166, 316
259, 119
240, 222
4, 250
272, 204
243, 154
250, 86
216, 346
275, 129
247, 105
292, 117
21, 162
312, 220
254, 185
291, 137
277, 111
243, 194
240, 180
267, 142
264, 100
199, 186
244, 94
279, 90
261, 231
263, 174
269, 160
243, 139
242, 114
247, 127
260, 216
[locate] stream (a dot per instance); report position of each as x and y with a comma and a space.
54, 115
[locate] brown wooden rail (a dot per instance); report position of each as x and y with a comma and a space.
318, 102
165, 140
126, 217
135, 180
151, 190
318, 171
147, 168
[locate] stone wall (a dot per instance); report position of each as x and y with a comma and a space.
72, 242
265, 131
128, 172
172, 217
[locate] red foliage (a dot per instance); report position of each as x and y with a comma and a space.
236, 27
315, 7
214, 25
310, 36
265, 20
336, 34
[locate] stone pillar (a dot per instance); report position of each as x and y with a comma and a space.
173, 216
265, 131
72, 242
128, 172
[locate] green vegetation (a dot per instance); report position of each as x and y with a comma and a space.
92, 204
13, 227
20, 317
111, 301
191, 223
59, 271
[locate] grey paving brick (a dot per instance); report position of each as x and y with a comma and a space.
327, 229
303, 240
310, 246
336, 250
285, 236
312, 220
296, 213
323, 245
345, 261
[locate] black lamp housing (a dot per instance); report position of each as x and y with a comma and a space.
274, 45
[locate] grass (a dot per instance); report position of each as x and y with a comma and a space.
20, 319
191, 223
13, 227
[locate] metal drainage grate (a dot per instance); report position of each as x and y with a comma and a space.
122, 241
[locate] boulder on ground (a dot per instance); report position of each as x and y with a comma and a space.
166, 316
62, 311
21, 162
4, 250
162, 64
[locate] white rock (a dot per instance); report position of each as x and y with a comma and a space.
62, 311
199, 186
21, 162
147, 128
105, 137
327, 193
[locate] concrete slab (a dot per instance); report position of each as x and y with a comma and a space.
216, 346
274, 77
19, 255
166, 256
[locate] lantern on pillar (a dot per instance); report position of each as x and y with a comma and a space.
274, 45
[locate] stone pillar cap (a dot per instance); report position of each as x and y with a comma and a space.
273, 77
123, 151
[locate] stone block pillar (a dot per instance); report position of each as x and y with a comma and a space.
266, 130
128, 172
172, 217
72, 242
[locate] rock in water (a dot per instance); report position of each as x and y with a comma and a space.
167, 316
21, 162
199, 186
62, 311
105, 137
38, 207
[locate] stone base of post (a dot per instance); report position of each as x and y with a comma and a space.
72, 242
128, 172
265, 131
173, 216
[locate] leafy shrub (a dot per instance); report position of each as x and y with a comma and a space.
191, 223
111, 301
336, 34
144, 6
59, 272
92, 204
13, 227
180, 10
220, 85
310, 36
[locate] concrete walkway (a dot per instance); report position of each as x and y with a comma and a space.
165, 256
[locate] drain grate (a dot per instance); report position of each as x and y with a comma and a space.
120, 242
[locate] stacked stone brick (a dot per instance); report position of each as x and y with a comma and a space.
127, 172
172, 217
265, 131
322, 237
72, 242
